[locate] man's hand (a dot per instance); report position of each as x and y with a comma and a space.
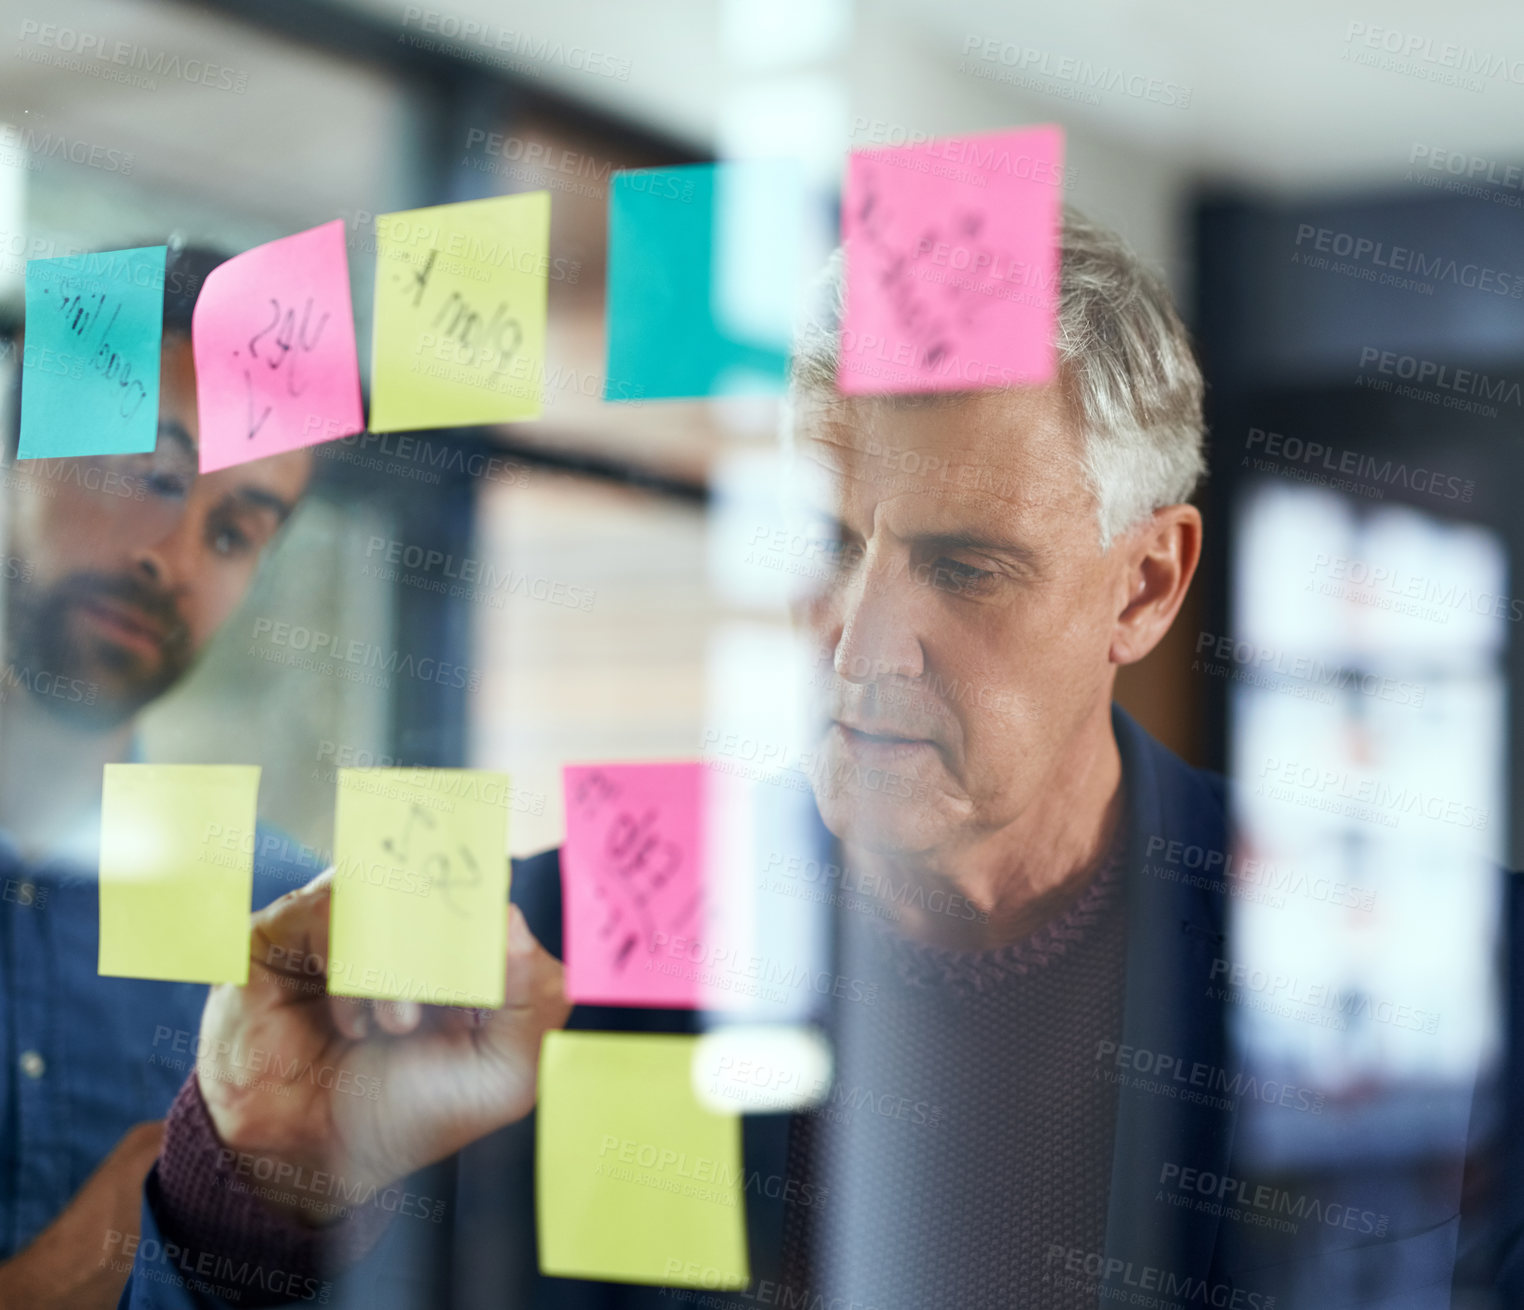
68, 1266
362, 1093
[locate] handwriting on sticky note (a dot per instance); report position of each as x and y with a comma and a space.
274, 340
90, 369
952, 272
619, 1136
175, 895
460, 313
420, 886
634, 872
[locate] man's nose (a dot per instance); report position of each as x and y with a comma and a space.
163, 561
878, 637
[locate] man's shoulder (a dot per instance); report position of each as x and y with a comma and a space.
1167, 792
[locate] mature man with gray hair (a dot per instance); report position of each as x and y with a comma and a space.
996, 556
1044, 1059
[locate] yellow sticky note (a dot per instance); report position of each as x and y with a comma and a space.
635, 1180
175, 893
460, 313
420, 886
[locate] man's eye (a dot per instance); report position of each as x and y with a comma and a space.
230, 541
168, 485
957, 576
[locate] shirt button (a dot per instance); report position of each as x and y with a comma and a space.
33, 1065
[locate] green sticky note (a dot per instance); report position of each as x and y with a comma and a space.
459, 335
635, 1180
90, 370
420, 886
701, 262
175, 894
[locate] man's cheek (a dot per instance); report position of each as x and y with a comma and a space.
213, 605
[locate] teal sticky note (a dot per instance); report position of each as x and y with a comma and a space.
90, 369
702, 262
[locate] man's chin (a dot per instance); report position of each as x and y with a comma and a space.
899, 819
95, 699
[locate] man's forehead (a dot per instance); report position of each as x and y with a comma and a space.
284, 475
1020, 448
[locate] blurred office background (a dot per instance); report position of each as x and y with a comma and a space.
1364, 589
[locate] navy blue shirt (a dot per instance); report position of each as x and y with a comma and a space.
87, 1057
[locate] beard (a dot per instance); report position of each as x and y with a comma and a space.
82, 676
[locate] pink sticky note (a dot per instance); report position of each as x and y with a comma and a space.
273, 336
632, 873
952, 263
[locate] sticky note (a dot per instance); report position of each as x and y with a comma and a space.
686, 260
460, 313
420, 887
90, 370
175, 894
635, 1180
633, 876
274, 340
952, 263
